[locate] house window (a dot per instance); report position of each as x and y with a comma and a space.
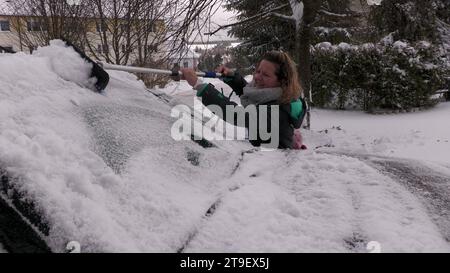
151, 27
6, 49
101, 27
152, 48
4, 26
186, 64
124, 28
35, 26
124, 48
102, 48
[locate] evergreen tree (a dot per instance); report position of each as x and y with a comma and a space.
407, 19
286, 25
443, 10
268, 32
209, 61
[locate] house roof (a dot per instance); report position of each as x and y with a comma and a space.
187, 53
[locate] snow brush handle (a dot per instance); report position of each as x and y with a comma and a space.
135, 69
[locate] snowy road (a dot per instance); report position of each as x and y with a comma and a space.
429, 185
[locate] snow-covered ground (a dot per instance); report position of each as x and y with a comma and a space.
420, 135
103, 170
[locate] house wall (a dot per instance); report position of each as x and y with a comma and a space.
184, 62
9, 38
18, 32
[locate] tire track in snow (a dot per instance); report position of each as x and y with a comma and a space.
215, 205
432, 189
357, 240
430, 186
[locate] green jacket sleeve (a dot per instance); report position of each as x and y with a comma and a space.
236, 82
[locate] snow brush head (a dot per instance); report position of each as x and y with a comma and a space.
96, 72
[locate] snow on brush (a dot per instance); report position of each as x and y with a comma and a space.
65, 62
103, 170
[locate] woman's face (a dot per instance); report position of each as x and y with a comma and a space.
265, 76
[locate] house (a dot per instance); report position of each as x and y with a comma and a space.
8, 41
185, 58
105, 39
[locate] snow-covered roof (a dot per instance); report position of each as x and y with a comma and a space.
186, 53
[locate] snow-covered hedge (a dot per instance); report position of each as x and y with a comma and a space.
392, 75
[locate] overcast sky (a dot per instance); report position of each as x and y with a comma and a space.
223, 17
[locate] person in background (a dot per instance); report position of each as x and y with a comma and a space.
275, 82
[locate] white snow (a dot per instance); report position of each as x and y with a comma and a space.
344, 46
104, 171
396, 69
143, 200
400, 44
312, 203
374, 2
325, 45
66, 63
421, 135
388, 39
297, 11
297, 8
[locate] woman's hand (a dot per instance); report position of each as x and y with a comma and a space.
189, 75
225, 71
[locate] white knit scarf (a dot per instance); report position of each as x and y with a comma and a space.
253, 95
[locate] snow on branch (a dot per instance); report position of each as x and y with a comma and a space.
324, 12
282, 16
297, 11
261, 15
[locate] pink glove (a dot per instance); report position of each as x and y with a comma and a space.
298, 141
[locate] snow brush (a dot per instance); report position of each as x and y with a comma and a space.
172, 73
97, 71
